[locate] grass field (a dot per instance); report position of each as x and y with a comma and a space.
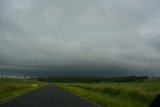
10, 88
117, 94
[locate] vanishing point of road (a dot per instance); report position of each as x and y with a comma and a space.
48, 96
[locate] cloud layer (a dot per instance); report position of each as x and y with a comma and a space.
101, 37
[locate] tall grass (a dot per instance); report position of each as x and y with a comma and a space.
116, 94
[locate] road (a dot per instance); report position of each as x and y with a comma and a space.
48, 96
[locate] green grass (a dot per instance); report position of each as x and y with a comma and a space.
116, 94
10, 88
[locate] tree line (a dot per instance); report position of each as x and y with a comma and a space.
93, 79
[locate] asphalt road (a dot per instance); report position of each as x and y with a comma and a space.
48, 96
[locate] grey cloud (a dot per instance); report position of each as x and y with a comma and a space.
78, 36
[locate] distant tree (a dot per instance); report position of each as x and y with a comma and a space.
94, 79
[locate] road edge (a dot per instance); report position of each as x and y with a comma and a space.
12, 98
79, 96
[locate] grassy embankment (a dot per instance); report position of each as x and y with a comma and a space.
117, 94
10, 88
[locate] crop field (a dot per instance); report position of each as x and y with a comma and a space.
10, 88
116, 94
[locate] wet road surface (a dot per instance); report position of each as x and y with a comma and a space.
48, 96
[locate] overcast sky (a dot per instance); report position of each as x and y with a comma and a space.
100, 37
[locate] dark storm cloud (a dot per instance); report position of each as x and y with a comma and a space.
80, 36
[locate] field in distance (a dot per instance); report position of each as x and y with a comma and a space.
132, 94
10, 88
